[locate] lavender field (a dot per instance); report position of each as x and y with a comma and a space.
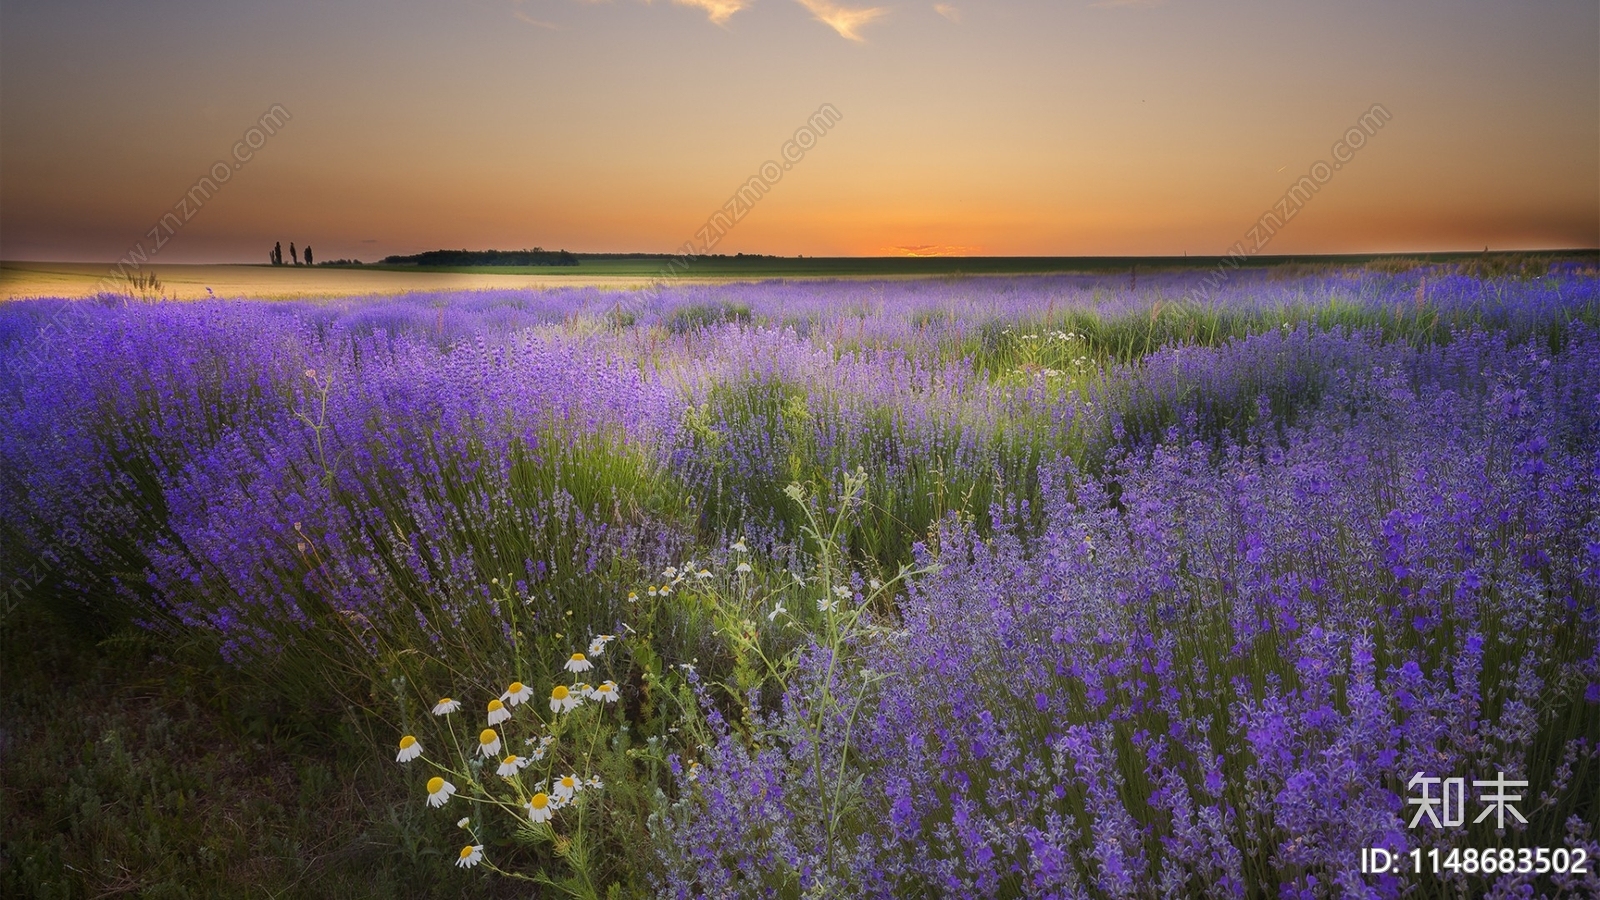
970, 587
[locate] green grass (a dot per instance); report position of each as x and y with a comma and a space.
736, 267
130, 772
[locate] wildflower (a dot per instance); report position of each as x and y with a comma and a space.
470, 856
410, 748
606, 692
510, 766
703, 574
539, 808
598, 645
666, 589
567, 785
578, 663
439, 791
498, 712
653, 591
562, 699
742, 568
739, 546
671, 572
777, 610
516, 693
694, 771
826, 604
488, 743
633, 596
446, 706
594, 782
841, 591
582, 689
464, 821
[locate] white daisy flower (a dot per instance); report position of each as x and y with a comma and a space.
653, 590
567, 785
446, 706
539, 807
470, 856
511, 765
439, 791
410, 748
703, 574
498, 712
562, 699
598, 645
517, 693
742, 569
488, 743
582, 689
842, 592
606, 692
666, 589
578, 663
826, 604
633, 596
670, 572
594, 782
777, 611
739, 546
464, 821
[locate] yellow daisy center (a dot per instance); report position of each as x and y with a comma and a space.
510, 760
443, 701
466, 852
435, 784
515, 688
577, 657
540, 800
487, 736
567, 781
560, 693
496, 705
407, 741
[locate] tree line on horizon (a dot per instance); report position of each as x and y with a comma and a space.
535, 257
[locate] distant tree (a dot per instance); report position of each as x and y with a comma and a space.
277, 253
308, 255
535, 257
294, 254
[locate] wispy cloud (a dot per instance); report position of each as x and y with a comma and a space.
843, 19
516, 10
930, 250
537, 23
948, 10
1110, 4
717, 11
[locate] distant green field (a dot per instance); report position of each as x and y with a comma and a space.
741, 267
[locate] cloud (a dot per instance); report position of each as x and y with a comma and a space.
843, 19
537, 23
948, 10
717, 11
1128, 4
924, 250
516, 10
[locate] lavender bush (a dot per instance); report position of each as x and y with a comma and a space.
1007, 587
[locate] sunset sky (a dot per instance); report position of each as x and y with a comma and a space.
1005, 127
